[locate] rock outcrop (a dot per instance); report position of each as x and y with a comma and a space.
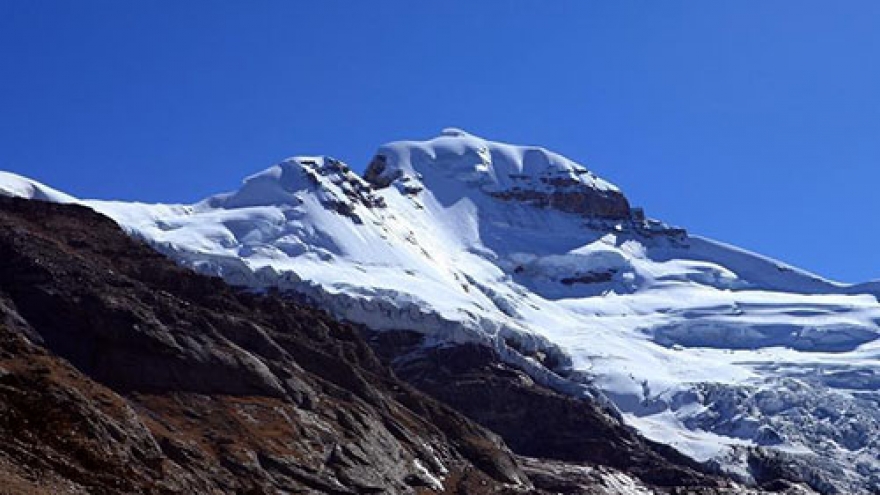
574, 439
564, 192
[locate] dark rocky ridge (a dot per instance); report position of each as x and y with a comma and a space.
570, 196
537, 422
123, 373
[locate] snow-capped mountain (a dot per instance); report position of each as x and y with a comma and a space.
709, 348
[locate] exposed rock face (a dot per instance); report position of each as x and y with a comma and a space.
533, 420
334, 175
123, 373
335, 185
539, 423
375, 172
567, 194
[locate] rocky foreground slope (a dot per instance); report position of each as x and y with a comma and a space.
121, 372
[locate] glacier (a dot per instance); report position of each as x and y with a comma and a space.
714, 350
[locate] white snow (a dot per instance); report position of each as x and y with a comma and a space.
700, 345
489, 165
18, 186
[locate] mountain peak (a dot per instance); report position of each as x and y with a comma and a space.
527, 174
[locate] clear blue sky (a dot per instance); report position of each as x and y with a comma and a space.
757, 123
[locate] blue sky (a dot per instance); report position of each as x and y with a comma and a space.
757, 123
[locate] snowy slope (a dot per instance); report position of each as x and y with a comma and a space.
17, 186
701, 345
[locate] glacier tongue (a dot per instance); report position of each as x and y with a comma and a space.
700, 345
